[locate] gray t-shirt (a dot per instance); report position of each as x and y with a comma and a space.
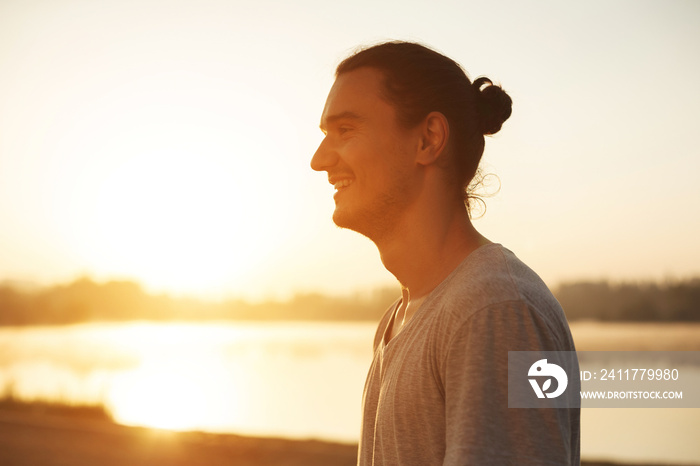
437, 393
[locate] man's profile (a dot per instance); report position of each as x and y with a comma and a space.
404, 134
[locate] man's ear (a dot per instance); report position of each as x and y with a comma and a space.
435, 132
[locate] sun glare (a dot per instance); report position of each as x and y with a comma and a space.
159, 398
182, 195
172, 220
182, 382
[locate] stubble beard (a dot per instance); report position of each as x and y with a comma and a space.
375, 219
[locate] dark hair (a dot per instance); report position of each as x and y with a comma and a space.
418, 80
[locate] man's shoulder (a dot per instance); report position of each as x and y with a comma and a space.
492, 276
493, 292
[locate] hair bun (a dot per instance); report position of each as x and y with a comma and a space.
493, 105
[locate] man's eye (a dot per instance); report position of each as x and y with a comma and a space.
344, 129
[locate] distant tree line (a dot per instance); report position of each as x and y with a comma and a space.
645, 302
87, 301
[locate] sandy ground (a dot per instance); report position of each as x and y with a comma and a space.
41, 439
37, 437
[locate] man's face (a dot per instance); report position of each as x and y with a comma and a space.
368, 156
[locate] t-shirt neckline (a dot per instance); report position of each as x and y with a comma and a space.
431, 295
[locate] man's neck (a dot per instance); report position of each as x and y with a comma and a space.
427, 246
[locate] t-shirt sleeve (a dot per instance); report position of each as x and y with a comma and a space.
480, 428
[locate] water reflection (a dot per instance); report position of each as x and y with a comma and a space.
295, 380
284, 379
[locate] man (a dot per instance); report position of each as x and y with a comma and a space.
404, 133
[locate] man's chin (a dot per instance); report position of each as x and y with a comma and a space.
340, 219
344, 219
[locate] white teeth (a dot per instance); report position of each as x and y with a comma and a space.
342, 184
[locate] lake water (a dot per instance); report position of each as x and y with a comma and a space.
298, 380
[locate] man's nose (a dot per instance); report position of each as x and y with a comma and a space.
324, 158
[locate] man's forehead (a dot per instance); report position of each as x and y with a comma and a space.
353, 94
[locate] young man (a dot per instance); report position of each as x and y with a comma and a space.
404, 133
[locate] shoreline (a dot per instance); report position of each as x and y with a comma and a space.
52, 434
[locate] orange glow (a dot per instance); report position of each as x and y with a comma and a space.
181, 199
170, 396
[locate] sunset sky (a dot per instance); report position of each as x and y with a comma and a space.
169, 142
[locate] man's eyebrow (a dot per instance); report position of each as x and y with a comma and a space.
340, 116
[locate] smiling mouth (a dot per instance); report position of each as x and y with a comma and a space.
338, 185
